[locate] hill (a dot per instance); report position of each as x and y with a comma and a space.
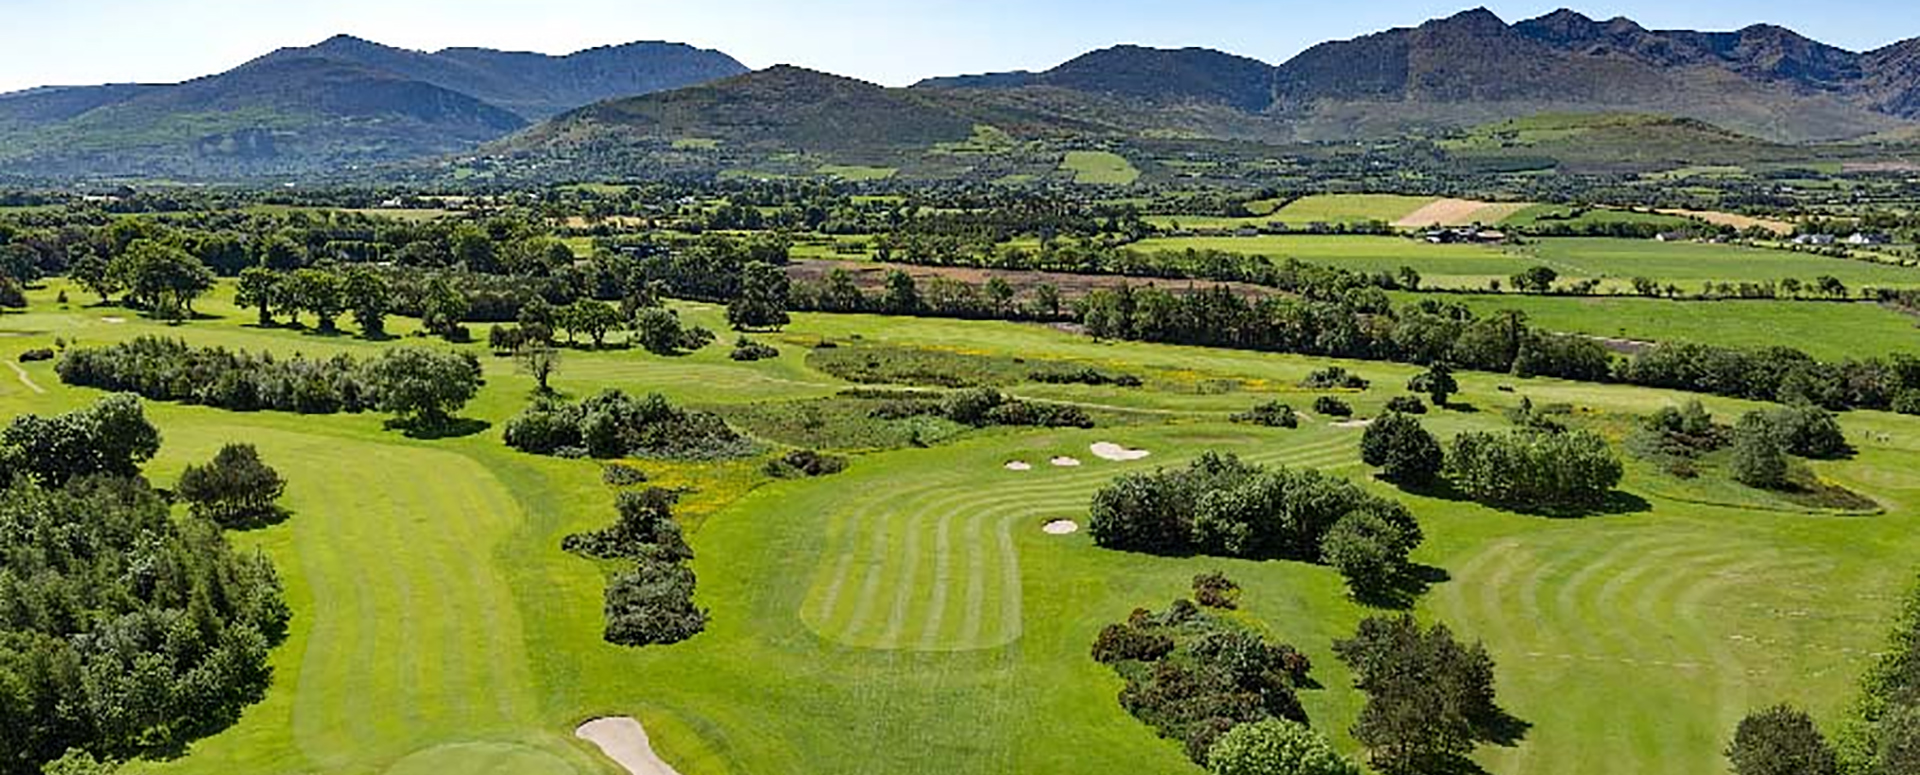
1160, 76
343, 103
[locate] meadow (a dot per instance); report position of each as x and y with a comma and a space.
909, 615
1613, 262
1100, 168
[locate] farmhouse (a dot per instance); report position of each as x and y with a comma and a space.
1869, 238
1815, 239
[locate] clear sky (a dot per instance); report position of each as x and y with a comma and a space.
894, 42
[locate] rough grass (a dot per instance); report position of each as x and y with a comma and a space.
910, 616
1100, 168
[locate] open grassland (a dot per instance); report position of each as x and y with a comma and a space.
1614, 262
1100, 168
1825, 330
910, 616
1350, 208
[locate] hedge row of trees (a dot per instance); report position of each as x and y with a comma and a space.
1195, 676
1221, 506
613, 424
1541, 466
423, 387
124, 632
653, 603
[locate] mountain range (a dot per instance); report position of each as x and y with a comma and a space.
347, 103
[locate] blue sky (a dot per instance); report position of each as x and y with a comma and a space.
898, 42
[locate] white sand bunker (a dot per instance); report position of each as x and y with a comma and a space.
1062, 527
1066, 462
1353, 423
1019, 465
114, 321
624, 741
1108, 450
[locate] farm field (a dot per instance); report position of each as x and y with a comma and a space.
1612, 261
1829, 331
853, 614
1100, 168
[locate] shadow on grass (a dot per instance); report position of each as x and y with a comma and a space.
456, 428
1403, 590
249, 523
1617, 502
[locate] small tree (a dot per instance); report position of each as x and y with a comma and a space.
1405, 452
538, 361
762, 302
1437, 383
1538, 279
1276, 747
259, 288
592, 318
93, 274
1430, 699
320, 292
1759, 457
1781, 740
423, 387
368, 297
235, 490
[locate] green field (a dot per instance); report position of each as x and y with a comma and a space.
910, 616
1351, 208
1100, 168
1613, 261
1824, 330
856, 174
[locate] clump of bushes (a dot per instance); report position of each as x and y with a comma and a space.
1271, 414
747, 350
660, 332
1334, 378
1214, 590
1403, 450
622, 475
37, 354
805, 464
1407, 405
1084, 376
653, 603
614, 424
1332, 407
1530, 470
1676, 438
1220, 506
981, 408
1193, 676
235, 490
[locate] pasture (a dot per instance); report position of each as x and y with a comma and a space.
1099, 168
910, 614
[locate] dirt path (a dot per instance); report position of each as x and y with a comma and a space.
624, 741
26, 379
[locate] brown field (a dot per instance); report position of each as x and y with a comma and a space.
1460, 212
1735, 220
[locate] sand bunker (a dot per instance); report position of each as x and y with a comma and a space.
1066, 462
1107, 450
624, 741
114, 321
1353, 423
1019, 465
1062, 527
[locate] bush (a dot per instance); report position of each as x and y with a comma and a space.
983, 407
1411, 673
1531, 470
613, 424
1334, 378
1781, 740
1084, 376
622, 475
37, 354
1407, 405
805, 463
653, 605
1121, 643
1907, 402
1405, 452
1276, 747
1272, 414
1214, 590
1759, 456
1332, 407
1807, 431
748, 350
235, 490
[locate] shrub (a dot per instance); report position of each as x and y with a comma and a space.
1272, 414
653, 605
235, 490
622, 475
983, 407
1907, 402
1334, 378
1807, 431
1407, 405
1782, 740
1121, 643
37, 354
1411, 673
1084, 376
1405, 452
1276, 747
1759, 456
645, 526
748, 350
805, 463
1332, 407
1214, 590
1531, 470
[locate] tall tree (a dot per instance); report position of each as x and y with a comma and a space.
762, 302
259, 287
1430, 699
1781, 740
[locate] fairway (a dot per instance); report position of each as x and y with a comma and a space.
438, 627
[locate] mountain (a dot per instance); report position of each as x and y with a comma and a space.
1159, 76
534, 86
343, 103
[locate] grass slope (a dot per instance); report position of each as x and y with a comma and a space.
1100, 168
909, 615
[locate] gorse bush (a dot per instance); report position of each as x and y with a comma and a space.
1334, 378
653, 603
614, 424
805, 463
1332, 407
749, 350
1271, 414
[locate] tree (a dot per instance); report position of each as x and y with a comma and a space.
660, 332
1781, 740
367, 296
1276, 747
762, 302
1437, 383
1759, 457
444, 309
259, 287
92, 273
1899, 741
1534, 470
1430, 699
235, 490
280, 253
422, 387
320, 292
539, 361
1538, 279
1404, 451
111, 437
592, 318
163, 278
902, 296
